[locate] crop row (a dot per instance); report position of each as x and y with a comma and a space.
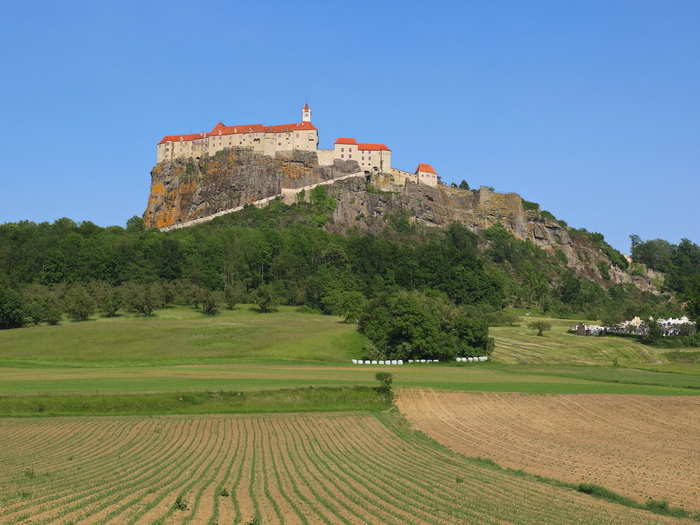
321, 468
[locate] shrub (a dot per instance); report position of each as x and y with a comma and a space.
142, 298
181, 504
540, 326
385, 381
79, 304
266, 298
209, 304
12, 309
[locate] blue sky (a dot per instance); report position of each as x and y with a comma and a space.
588, 107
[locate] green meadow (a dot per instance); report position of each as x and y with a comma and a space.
182, 351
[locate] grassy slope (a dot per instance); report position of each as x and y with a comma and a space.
518, 344
182, 335
181, 350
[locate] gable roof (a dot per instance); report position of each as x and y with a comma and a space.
427, 168
362, 146
222, 129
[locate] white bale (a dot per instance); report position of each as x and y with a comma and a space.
483, 358
399, 361
381, 362
486, 358
354, 361
422, 360
374, 362
470, 359
394, 362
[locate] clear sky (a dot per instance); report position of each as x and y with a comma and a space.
591, 108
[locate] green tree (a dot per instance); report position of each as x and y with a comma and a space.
266, 298
135, 224
385, 381
463, 185
79, 303
415, 325
12, 313
540, 326
210, 305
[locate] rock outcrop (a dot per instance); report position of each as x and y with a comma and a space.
184, 190
188, 189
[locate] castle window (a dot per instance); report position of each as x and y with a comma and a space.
342, 156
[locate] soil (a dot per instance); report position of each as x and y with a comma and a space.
639, 446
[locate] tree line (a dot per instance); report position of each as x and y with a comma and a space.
283, 255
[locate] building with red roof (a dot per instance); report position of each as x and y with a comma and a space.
269, 140
370, 157
426, 174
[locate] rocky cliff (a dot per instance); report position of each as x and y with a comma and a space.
188, 189
370, 207
184, 190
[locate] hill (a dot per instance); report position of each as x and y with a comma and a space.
186, 190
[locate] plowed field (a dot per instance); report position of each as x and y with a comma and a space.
321, 468
640, 446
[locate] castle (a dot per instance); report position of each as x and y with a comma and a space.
269, 140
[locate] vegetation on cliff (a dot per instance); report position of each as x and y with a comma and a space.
286, 251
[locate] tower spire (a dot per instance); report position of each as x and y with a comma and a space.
306, 113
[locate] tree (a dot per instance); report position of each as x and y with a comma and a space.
266, 298
385, 381
79, 303
233, 294
540, 326
12, 313
349, 305
141, 298
463, 185
108, 299
210, 306
416, 325
135, 224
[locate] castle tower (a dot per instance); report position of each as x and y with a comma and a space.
306, 113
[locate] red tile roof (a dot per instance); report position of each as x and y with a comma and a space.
426, 168
362, 146
373, 147
346, 140
222, 129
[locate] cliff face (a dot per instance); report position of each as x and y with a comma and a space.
183, 190
371, 210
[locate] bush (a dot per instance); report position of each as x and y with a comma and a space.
540, 326
266, 298
385, 381
79, 303
181, 504
108, 299
209, 304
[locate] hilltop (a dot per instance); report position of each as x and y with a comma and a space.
186, 191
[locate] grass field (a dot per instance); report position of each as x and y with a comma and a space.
639, 446
185, 336
326, 468
362, 465
518, 344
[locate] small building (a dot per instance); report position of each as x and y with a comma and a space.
426, 174
375, 157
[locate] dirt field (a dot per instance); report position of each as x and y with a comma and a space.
639, 446
323, 468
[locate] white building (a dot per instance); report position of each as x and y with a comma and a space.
268, 140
